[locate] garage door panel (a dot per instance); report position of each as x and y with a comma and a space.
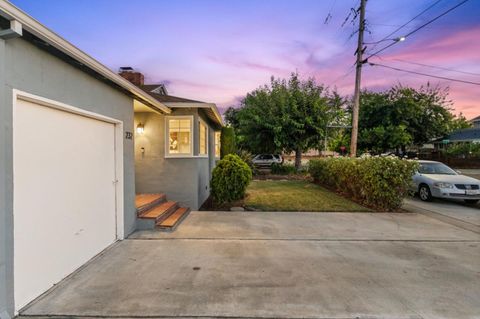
64, 195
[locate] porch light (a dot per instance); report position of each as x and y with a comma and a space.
140, 128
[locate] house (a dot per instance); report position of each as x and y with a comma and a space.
78, 143
475, 122
175, 153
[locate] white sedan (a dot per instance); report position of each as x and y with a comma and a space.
435, 179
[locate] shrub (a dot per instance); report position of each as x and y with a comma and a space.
283, 169
247, 157
463, 150
227, 141
230, 179
379, 182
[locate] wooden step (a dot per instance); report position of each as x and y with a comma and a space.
172, 222
160, 212
144, 202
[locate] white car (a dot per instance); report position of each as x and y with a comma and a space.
266, 160
435, 179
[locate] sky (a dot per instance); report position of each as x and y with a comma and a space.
219, 50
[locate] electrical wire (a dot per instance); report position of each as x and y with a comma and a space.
417, 29
424, 74
436, 67
405, 24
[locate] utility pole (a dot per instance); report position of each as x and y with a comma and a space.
358, 76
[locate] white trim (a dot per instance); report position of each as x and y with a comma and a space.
215, 143
197, 105
31, 25
119, 189
201, 121
167, 136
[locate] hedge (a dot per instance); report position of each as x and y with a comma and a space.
378, 182
230, 179
283, 169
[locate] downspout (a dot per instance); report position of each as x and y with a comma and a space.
15, 31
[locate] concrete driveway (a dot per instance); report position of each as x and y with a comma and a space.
454, 212
280, 265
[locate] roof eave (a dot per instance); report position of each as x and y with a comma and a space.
211, 106
29, 24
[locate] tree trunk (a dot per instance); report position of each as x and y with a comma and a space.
298, 159
404, 150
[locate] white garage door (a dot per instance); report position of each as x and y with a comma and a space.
64, 195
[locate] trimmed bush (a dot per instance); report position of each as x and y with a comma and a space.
379, 182
283, 169
227, 141
230, 179
247, 157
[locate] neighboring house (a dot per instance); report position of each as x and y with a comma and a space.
67, 156
476, 122
468, 135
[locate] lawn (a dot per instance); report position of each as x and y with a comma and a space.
292, 195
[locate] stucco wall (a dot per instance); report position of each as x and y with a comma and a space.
5, 205
185, 180
30, 69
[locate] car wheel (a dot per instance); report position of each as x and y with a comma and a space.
424, 193
471, 201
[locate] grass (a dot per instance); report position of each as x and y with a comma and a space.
292, 195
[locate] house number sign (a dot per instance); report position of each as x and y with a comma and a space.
128, 135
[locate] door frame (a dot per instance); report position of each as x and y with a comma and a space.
119, 187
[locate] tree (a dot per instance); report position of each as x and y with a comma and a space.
230, 116
403, 116
460, 123
227, 141
287, 115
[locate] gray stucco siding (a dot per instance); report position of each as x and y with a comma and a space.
6, 284
25, 67
182, 179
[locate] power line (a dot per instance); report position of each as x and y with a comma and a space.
405, 24
350, 70
437, 67
424, 74
417, 29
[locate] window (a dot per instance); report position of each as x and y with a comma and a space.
179, 136
217, 144
203, 134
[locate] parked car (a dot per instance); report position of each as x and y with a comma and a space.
435, 179
266, 160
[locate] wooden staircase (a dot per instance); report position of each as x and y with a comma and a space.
154, 211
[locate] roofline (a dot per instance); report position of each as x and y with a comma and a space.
11, 12
199, 105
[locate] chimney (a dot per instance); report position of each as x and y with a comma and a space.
131, 75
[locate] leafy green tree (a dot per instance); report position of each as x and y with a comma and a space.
227, 141
459, 123
287, 115
403, 116
230, 116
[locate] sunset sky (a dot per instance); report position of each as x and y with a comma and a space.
217, 51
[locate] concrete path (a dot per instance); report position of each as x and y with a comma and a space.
281, 265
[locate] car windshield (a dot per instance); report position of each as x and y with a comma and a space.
435, 168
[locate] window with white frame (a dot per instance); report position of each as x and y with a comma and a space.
217, 144
179, 136
203, 138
